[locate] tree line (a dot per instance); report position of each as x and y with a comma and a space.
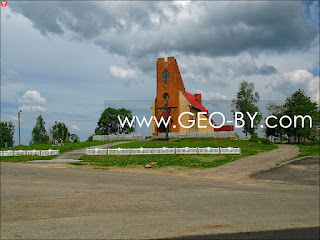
39, 133
246, 100
298, 103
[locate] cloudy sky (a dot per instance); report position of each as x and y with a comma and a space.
68, 60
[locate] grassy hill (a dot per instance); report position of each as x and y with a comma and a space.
190, 161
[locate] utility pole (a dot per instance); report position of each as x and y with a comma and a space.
19, 125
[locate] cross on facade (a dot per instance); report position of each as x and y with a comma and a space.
168, 110
165, 74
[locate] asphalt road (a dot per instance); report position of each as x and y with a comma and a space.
46, 201
304, 171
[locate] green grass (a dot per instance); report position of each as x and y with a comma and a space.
17, 159
308, 149
189, 161
68, 146
305, 150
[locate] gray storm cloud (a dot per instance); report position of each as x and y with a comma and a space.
138, 30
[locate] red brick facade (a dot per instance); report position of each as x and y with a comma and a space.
169, 81
172, 87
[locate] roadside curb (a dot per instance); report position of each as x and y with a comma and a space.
52, 161
294, 160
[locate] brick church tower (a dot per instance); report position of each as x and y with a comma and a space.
170, 85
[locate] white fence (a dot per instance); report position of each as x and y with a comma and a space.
209, 150
164, 150
222, 134
117, 137
229, 150
186, 150
33, 152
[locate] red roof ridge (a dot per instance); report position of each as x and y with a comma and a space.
194, 103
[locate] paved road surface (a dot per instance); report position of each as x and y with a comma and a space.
47, 201
303, 171
292, 233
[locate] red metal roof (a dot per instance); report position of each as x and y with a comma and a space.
194, 103
197, 95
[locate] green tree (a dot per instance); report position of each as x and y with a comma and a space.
297, 104
6, 134
74, 138
90, 138
277, 111
245, 101
109, 122
39, 132
60, 130
123, 113
300, 104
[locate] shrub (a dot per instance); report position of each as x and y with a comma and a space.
90, 138
265, 140
254, 138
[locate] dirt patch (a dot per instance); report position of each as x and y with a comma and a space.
208, 226
175, 171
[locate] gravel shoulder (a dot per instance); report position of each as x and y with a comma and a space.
244, 167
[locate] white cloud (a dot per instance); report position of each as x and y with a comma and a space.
125, 75
155, 18
32, 97
215, 96
75, 127
31, 101
14, 118
298, 76
121, 73
183, 4
27, 108
305, 77
206, 95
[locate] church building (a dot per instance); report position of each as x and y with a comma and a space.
171, 91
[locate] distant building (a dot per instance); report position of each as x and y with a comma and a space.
170, 84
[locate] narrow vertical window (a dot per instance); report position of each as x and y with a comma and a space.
165, 74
